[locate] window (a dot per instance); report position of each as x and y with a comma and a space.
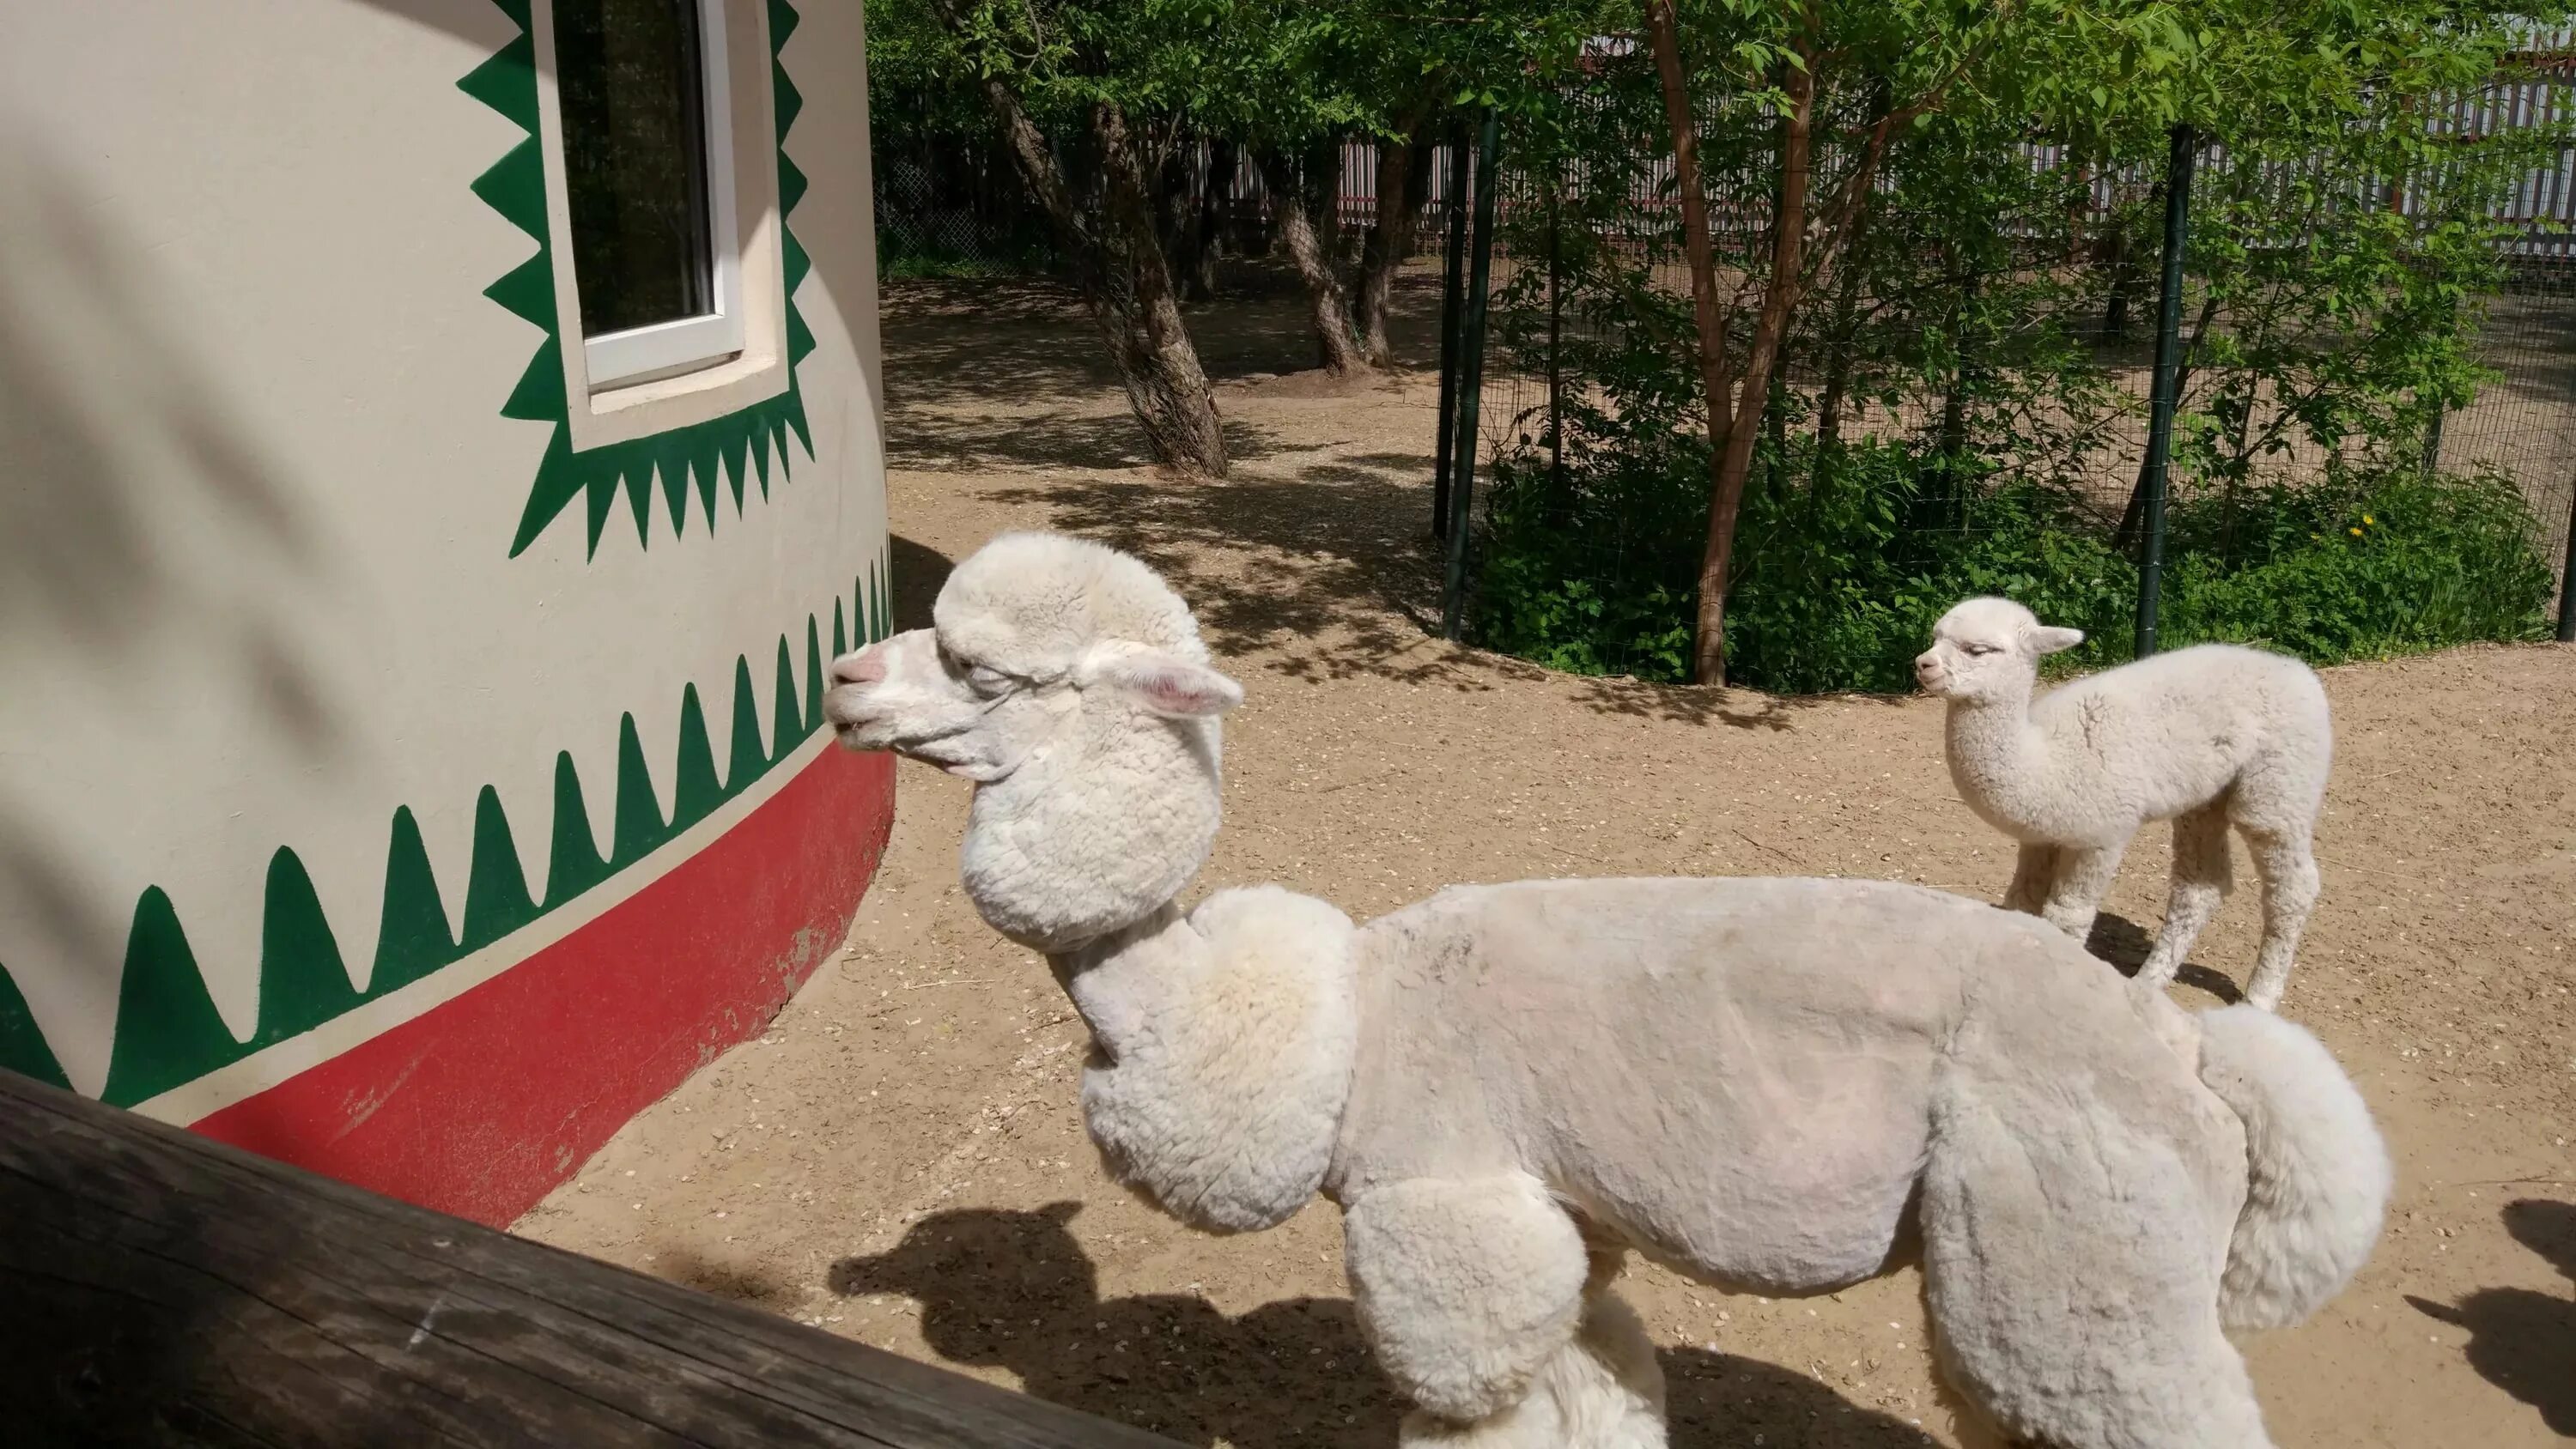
648, 166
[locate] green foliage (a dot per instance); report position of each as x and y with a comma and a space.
2356, 570
1959, 417
1843, 581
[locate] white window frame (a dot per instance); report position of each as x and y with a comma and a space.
688, 344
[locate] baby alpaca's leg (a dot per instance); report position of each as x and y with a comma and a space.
2288, 866
2083, 877
2201, 879
1485, 1308
2034, 868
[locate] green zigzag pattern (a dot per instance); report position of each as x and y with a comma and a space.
167, 1030
516, 188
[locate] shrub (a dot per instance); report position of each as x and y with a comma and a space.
2393, 565
1842, 576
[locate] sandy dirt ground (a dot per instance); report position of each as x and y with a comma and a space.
900, 1158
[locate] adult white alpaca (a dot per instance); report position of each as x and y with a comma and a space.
2207, 737
1783, 1086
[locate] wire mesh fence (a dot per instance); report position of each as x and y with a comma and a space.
2374, 444
949, 203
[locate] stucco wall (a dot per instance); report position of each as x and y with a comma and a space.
315, 721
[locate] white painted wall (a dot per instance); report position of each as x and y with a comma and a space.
257, 498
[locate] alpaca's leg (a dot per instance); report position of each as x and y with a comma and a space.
2034, 868
2288, 866
1485, 1308
1603, 1390
2073, 1296
2082, 878
2201, 879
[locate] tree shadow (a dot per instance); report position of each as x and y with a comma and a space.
152, 551
1020, 341
1330, 565
1698, 704
2521, 1341
2126, 944
964, 442
1014, 1290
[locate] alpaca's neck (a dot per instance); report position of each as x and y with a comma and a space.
1226, 1042
1998, 759
1115, 981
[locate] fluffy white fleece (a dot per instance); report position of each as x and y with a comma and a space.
1777, 1085
2208, 737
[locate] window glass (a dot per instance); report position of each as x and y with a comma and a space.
631, 74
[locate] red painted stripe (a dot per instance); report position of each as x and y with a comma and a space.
480, 1105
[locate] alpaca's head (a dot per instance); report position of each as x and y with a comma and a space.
1988, 650
1068, 682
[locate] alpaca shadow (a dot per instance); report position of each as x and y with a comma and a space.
1014, 1290
2125, 944
2521, 1341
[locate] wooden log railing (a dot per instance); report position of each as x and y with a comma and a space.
157, 1288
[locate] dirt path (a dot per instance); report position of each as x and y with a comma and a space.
901, 1160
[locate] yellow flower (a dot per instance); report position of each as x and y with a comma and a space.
2355, 532
2369, 522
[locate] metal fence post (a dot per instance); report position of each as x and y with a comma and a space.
2567, 579
1471, 357
2162, 402
1451, 299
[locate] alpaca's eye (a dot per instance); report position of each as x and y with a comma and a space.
987, 681
1977, 651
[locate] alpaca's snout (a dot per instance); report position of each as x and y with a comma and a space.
855, 703
865, 666
1928, 672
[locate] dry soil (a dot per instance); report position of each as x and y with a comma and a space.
900, 1159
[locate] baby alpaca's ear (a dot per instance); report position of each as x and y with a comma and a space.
1167, 684
2047, 639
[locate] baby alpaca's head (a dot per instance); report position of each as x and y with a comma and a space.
1068, 682
1988, 649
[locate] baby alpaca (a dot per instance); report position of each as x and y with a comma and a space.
2207, 737
1778, 1086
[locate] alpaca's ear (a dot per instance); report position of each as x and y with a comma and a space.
1169, 685
2048, 640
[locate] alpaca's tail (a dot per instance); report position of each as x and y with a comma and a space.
2318, 1178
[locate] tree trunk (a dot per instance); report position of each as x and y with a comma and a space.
1213, 196
1770, 330
1840, 339
1109, 239
1403, 178
1310, 240
1176, 405
1708, 650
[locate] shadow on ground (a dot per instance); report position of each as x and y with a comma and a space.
929, 441
1022, 341
919, 571
1014, 1290
2126, 944
2521, 1341
1332, 566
